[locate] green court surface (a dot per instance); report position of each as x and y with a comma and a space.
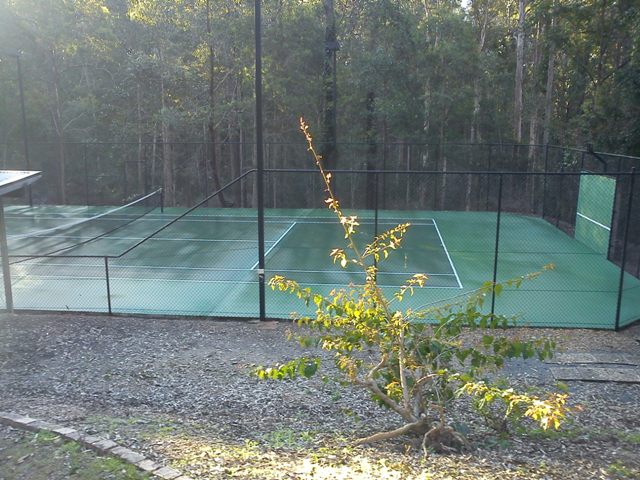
206, 264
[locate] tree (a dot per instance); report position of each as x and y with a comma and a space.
518, 103
412, 368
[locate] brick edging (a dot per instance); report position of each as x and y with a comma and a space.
100, 444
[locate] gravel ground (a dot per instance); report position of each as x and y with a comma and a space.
180, 391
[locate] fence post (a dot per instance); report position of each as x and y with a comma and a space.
624, 249
106, 271
495, 258
259, 158
6, 269
375, 213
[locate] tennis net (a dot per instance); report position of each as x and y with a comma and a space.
61, 240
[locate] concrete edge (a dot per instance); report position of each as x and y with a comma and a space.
100, 444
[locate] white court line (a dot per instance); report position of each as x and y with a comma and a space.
163, 239
172, 280
213, 269
593, 221
144, 267
138, 279
149, 217
277, 270
255, 265
448, 256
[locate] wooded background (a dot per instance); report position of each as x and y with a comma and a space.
159, 74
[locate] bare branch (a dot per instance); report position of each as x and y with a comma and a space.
419, 426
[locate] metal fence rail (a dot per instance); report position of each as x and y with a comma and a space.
102, 173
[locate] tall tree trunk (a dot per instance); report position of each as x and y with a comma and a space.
548, 95
215, 176
154, 153
329, 147
475, 135
56, 117
518, 103
534, 121
372, 150
235, 132
426, 125
140, 158
443, 154
167, 148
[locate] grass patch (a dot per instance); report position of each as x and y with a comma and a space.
45, 455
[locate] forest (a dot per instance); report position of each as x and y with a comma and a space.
171, 78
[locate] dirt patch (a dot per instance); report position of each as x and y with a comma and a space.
180, 392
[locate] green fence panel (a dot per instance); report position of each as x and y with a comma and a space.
595, 207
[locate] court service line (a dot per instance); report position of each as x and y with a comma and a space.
255, 265
113, 266
277, 270
163, 239
176, 280
206, 218
589, 219
453, 267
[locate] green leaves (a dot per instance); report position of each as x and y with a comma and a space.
549, 412
300, 367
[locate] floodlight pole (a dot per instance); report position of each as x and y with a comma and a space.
260, 160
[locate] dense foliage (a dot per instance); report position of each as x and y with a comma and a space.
407, 70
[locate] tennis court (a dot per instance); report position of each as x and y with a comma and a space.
205, 264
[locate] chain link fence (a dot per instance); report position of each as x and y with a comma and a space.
487, 212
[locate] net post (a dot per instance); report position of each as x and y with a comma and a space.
623, 261
495, 257
6, 269
106, 271
162, 200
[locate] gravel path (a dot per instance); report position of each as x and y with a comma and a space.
179, 391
